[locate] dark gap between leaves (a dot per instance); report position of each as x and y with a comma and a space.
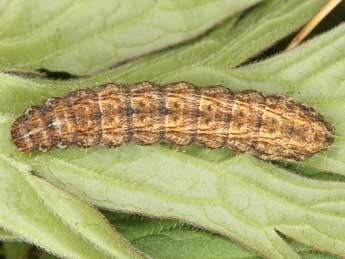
311, 173
56, 75
334, 18
245, 13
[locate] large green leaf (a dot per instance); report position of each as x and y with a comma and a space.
243, 198
239, 197
82, 37
37, 212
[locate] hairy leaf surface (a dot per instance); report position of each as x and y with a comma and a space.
242, 198
83, 37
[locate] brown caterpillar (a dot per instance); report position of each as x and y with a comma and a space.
270, 127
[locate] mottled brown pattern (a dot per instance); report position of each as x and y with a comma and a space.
269, 127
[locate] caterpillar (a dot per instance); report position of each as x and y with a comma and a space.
270, 127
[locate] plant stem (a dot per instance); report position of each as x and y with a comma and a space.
326, 9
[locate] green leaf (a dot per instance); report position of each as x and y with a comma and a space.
254, 33
82, 37
215, 50
38, 212
183, 241
243, 198
178, 239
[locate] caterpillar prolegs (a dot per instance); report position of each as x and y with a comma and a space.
270, 127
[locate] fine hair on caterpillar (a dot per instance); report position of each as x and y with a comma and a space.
270, 127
